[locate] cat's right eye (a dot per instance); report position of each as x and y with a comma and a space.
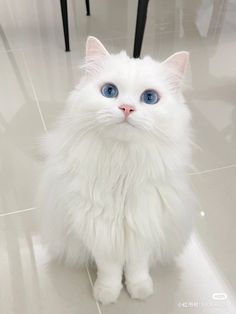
150, 97
109, 90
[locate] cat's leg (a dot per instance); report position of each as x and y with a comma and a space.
138, 280
109, 275
140, 242
103, 238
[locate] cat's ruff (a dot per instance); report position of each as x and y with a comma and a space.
118, 192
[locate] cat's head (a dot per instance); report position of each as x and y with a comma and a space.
130, 99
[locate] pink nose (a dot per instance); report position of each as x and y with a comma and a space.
127, 110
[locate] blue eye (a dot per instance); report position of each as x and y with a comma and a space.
109, 90
150, 97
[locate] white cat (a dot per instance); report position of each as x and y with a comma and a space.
115, 188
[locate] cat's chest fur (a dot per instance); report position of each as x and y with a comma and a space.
110, 173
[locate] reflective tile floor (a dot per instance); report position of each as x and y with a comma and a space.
35, 78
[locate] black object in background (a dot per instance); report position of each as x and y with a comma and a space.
139, 30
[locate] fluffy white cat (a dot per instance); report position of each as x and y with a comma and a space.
115, 188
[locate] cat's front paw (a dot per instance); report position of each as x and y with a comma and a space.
141, 289
106, 293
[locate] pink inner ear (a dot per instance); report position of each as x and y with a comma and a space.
94, 48
178, 61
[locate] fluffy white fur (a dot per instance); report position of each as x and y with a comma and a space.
117, 192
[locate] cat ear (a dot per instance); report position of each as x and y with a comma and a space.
177, 64
178, 61
95, 49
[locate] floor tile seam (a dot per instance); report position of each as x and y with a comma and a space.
29, 77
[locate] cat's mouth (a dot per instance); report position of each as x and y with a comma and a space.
126, 122
123, 130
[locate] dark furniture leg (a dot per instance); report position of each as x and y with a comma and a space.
64, 14
87, 7
140, 26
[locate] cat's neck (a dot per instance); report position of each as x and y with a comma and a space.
145, 156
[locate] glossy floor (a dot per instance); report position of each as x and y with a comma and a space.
35, 78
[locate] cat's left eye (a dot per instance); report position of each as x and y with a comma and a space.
150, 97
109, 90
